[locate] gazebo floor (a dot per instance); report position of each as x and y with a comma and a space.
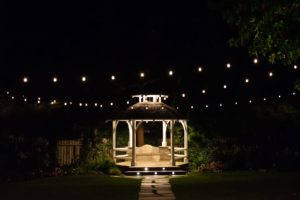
149, 164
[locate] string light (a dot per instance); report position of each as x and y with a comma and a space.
170, 72
83, 78
111, 103
295, 67
25, 79
96, 104
7, 92
71, 103
271, 74
54, 79
113, 77
127, 102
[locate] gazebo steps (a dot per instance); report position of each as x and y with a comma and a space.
140, 171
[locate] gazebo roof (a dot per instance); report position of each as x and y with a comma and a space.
149, 107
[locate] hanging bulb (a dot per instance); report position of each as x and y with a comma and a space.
25, 79
83, 79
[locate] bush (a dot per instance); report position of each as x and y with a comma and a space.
115, 171
105, 165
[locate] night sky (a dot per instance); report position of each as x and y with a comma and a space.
98, 39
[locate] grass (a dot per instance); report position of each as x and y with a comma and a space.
72, 187
238, 186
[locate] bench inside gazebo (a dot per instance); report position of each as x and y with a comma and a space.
150, 109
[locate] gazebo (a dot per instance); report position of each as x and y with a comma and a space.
148, 109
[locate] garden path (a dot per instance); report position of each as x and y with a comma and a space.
156, 187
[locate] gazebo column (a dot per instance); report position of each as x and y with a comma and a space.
172, 142
129, 123
114, 132
133, 125
185, 128
164, 136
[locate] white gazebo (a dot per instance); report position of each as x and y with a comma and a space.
150, 108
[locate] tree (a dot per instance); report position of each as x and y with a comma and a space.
268, 28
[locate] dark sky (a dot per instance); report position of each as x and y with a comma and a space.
98, 39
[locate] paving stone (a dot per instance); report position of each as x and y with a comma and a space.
156, 188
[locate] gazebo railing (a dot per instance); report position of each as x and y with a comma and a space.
126, 156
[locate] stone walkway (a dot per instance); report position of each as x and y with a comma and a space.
156, 187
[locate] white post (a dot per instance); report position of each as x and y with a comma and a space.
164, 138
172, 143
130, 133
185, 128
114, 128
133, 122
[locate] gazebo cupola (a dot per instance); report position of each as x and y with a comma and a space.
150, 108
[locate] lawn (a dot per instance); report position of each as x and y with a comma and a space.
237, 186
72, 187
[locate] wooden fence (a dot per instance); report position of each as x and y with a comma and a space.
67, 151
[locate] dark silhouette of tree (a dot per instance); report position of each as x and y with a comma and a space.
268, 28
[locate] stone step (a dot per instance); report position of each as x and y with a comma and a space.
165, 172
157, 198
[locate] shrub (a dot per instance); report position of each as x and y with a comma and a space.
115, 171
